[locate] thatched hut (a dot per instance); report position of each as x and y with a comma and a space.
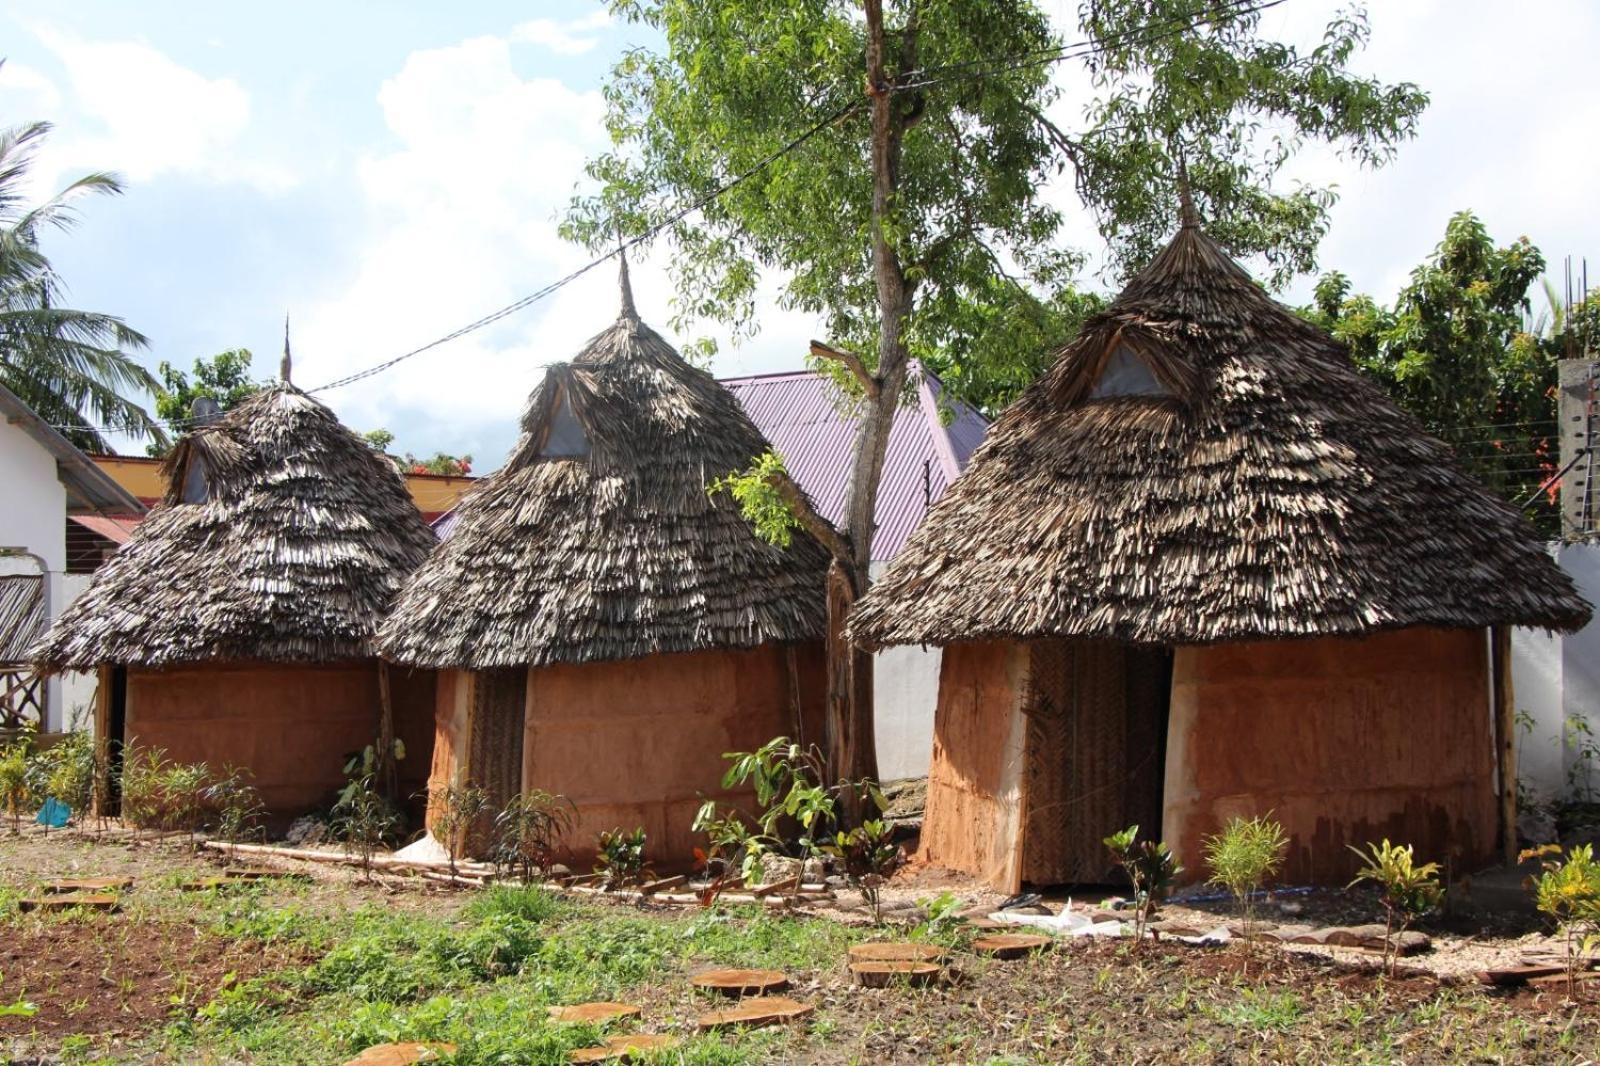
235, 627
605, 628
1202, 568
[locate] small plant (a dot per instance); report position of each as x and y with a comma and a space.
619, 858
364, 819
1151, 870
1579, 736
735, 849
160, 794
456, 812
16, 788
1568, 892
1243, 857
69, 766
867, 856
529, 832
237, 805
1410, 891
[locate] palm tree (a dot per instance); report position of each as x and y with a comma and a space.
70, 366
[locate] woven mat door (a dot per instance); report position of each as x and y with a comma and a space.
499, 702
1093, 762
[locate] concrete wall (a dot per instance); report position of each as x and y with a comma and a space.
905, 691
1556, 678
1344, 741
290, 725
973, 821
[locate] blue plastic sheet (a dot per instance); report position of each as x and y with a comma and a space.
54, 814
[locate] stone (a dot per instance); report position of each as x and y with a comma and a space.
305, 831
1536, 826
401, 1054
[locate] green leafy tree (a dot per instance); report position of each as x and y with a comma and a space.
920, 182
379, 439
441, 463
224, 377
72, 367
1457, 350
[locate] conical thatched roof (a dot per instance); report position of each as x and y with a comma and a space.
298, 538
1200, 465
597, 539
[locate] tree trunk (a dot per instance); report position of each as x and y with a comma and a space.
851, 749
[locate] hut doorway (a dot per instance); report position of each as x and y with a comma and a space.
1095, 753
499, 704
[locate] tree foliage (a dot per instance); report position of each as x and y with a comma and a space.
224, 377
72, 367
1456, 349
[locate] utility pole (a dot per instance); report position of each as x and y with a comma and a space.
1578, 417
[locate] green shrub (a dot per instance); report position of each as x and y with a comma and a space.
1151, 869
1243, 856
456, 810
1568, 891
1410, 891
529, 831
237, 804
160, 794
619, 858
16, 785
69, 770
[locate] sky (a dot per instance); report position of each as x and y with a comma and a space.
384, 173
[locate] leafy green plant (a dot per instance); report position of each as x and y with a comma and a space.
619, 858
158, 793
457, 809
1243, 856
1151, 869
867, 857
1579, 736
1409, 890
1568, 892
237, 804
529, 831
69, 770
16, 790
735, 849
364, 819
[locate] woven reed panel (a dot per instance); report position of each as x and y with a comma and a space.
499, 701
1095, 721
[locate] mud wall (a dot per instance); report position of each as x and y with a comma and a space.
291, 726
1346, 741
973, 817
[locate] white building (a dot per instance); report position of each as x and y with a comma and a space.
50, 494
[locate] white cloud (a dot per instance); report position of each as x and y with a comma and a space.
147, 115
37, 94
570, 37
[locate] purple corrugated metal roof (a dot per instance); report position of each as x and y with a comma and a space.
810, 425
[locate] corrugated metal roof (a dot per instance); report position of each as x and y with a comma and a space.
811, 426
21, 615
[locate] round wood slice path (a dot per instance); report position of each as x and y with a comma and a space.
879, 951
883, 973
594, 1013
741, 982
623, 1047
401, 1054
756, 1012
94, 901
87, 884
1011, 945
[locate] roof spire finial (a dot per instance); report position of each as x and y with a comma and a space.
1188, 217
628, 310
286, 365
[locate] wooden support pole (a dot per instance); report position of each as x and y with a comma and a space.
1505, 727
105, 679
388, 776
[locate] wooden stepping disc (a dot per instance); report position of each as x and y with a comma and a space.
87, 884
881, 952
1010, 945
201, 884
623, 1047
883, 973
401, 1054
593, 1013
253, 873
741, 982
762, 1010
68, 900
988, 923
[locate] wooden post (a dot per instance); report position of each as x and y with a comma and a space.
387, 775
1505, 728
105, 680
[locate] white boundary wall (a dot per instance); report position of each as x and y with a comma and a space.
1557, 678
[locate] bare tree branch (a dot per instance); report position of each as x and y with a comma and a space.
819, 527
852, 361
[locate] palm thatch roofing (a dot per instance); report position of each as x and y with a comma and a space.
1200, 464
598, 541
282, 537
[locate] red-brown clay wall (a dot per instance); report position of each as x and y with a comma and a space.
972, 822
290, 725
1345, 741
641, 743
